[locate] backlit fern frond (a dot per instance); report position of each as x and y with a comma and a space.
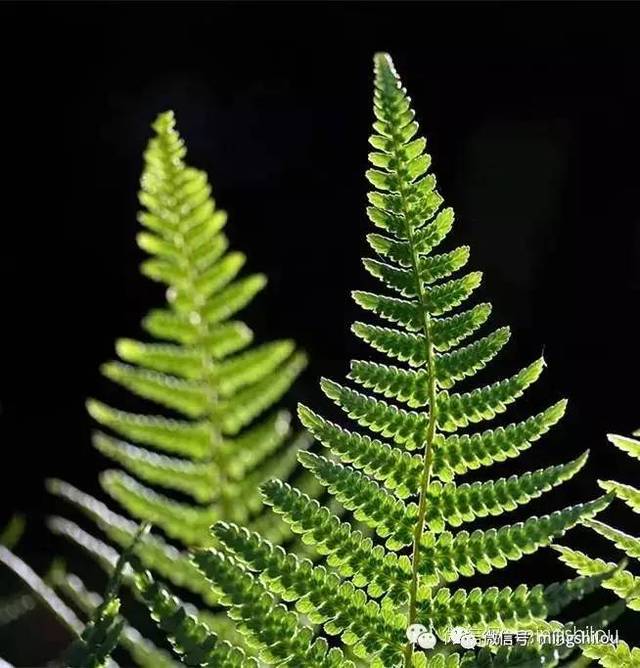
396, 468
214, 435
203, 369
623, 583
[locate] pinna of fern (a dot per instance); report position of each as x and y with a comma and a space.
400, 480
218, 436
623, 582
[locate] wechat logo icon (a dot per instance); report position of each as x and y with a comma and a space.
463, 637
417, 634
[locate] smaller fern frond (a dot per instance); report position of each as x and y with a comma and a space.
623, 583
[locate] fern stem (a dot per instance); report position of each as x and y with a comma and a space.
428, 447
198, 315
390, 81
431, 391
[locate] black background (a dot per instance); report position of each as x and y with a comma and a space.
532, 112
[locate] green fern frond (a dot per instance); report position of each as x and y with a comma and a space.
204, 370
370, 588
624, 583
215, 435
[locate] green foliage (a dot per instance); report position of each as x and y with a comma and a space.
204, 370
400, 482
196, 644
216, 435
622, 582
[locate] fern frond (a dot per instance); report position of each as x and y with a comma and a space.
624, 583
407, 419
215, 435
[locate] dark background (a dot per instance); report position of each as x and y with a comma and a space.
532, 111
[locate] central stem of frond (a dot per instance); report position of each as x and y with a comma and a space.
432, 395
